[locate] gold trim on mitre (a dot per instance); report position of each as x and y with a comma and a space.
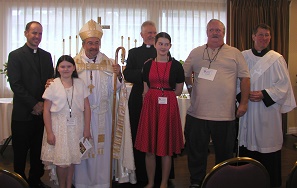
91, 29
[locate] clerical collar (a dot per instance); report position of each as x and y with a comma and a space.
260, 53
147, 45
34, 51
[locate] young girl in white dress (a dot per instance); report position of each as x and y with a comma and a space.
67, 117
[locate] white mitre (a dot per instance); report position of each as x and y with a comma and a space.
91, 29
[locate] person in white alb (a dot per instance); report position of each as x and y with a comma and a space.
260, 129
97, 70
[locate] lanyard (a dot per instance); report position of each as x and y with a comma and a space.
214, 57
161, 81
69, 104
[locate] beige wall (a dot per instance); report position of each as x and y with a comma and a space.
292, 61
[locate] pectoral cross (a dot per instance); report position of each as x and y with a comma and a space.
91, 87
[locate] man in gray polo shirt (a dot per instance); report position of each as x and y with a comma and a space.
216, 68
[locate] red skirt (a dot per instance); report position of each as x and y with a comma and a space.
159, 129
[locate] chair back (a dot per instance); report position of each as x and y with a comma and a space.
292, 178
243, 172
11, 180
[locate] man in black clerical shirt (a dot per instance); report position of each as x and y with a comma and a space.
28, 69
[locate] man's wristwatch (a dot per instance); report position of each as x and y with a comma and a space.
189, 86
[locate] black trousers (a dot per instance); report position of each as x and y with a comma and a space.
27, 137
271, 161
197, 134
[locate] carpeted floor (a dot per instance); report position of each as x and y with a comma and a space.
289, 156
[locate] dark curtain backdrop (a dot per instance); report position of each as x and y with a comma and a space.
244, 15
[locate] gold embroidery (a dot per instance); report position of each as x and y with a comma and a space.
103, 66
101, 138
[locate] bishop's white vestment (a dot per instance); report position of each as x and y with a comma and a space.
94, 172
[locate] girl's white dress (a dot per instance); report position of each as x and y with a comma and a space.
66, 150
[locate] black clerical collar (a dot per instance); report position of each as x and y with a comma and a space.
260, 53
34, 51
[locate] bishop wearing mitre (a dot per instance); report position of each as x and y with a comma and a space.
98, 73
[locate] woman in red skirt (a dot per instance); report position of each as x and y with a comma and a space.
159, 130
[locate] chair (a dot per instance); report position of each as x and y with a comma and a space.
4, 146
243, 172
292, 178
11, 180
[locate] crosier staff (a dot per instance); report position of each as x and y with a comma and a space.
114, 105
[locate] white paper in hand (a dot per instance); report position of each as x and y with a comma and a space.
84, 146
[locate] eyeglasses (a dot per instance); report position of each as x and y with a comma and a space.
208, 57
93, 43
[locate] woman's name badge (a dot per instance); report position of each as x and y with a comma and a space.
71, 121
207, 74
162, 100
